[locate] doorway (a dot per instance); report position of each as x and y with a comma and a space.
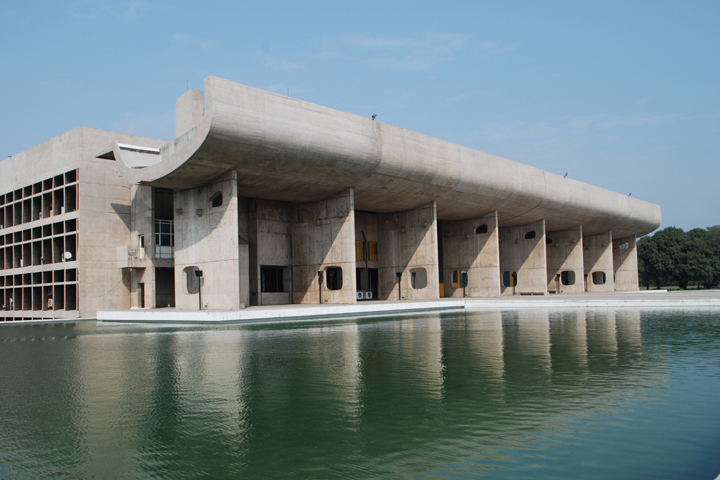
367, 285
164, 287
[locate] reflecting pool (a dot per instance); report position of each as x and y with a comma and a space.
512, 394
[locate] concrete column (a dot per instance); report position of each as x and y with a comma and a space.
407, 243
207, 238
625, 264
472, 245
565, 254
598, 262
188, 111
522, 250
323, 239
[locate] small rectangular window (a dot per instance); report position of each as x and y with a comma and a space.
271, 279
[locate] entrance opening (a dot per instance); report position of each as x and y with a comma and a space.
164, 287
369, 284
334, 278
141, 295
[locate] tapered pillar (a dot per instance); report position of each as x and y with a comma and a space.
564, 251
598, 262
625, 264
324, 241
472, 245
407, 244
523, 259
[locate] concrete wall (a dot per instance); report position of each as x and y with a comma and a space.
463, 249
407, 241
527, 257
188, 111
597, 257
103, 215
625, 264
270, 238
565, 253
324, 236
208, 238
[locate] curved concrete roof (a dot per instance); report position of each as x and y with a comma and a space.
290, 150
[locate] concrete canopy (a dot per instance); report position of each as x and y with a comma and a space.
290, 150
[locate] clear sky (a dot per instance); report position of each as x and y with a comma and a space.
620, 94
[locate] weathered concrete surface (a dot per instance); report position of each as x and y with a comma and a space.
407, 243
271, 227
289, 150
188, 111
324, 237
598, 257
565, 254
206, 238
103, 201
478, 253
526, 256
625, 264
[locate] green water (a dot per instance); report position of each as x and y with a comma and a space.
518, 394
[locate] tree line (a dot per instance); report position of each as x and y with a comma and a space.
674, 257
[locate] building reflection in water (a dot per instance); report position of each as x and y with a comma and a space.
150, 403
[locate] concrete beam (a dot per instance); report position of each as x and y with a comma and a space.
565, 254
598, 263
523, 252
468, 246
407, 243
323, 239
625, 264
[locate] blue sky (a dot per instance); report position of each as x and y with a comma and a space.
620, 94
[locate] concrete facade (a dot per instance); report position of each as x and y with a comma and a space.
598, 263
625, 264
472, 245
522, 256
263, 194
565, 267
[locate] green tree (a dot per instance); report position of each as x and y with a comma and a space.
672, 255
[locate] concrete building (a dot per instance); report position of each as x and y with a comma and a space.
265, 199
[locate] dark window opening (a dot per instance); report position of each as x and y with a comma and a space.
216, 200
567, 277
418, 278
163, 204
599, 278
481, 229
334, 278
530, 235
548, 241
509, 279
271, 279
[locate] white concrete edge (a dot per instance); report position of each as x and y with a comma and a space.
279, 314
46, 321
